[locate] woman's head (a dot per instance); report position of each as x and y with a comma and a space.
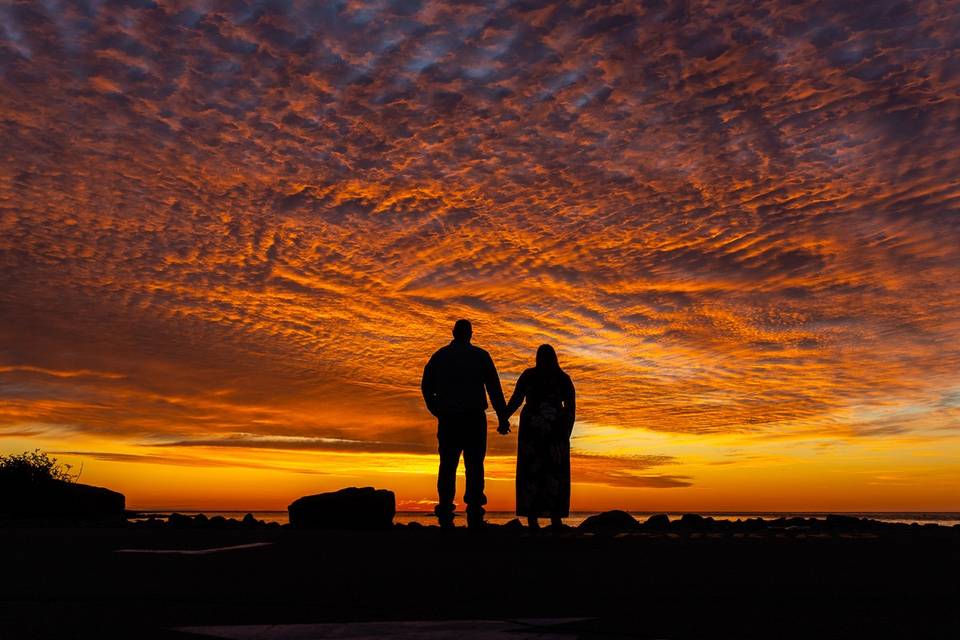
547, 358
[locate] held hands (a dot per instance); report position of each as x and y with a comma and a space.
504, 427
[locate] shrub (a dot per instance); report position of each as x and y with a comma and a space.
34, 466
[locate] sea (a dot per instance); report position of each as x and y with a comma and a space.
501, 517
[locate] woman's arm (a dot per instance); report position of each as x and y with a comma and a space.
519, 392
570, 403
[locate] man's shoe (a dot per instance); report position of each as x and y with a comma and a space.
444, 515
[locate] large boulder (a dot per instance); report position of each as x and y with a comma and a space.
352, 508
615, 521
56, 499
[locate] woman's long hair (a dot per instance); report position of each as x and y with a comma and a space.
547, 362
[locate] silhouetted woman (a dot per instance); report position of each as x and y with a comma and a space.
543, 446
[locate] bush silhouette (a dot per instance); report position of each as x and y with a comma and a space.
34, 467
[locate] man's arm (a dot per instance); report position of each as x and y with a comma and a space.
494, 390
428, 385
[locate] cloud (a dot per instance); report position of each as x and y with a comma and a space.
616, 478
255, 441
263, 217
626, 471
182, 461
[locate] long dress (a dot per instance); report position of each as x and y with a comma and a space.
543, 444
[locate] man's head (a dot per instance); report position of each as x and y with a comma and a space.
462, 330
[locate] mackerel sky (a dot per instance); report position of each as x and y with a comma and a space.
231, 234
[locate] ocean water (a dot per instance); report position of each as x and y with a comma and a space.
502, 517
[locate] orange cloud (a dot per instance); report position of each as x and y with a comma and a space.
248, 226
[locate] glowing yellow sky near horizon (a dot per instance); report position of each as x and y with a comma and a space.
729, 475
231, 238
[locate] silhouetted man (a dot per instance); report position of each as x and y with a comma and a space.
455, 385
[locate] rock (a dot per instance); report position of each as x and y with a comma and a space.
615, 521
59, 499
180, 521
218, 522
352, 508
754, 524
692, 521
201, 520
842, 522
514, 525
250, 521
723, 525
657, 522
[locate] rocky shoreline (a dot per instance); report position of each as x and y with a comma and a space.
609, 522
689, 577
150, 575
64, 504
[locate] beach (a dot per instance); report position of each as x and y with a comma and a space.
851, 579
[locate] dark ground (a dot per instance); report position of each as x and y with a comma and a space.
776, 583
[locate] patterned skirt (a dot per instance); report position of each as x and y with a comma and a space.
543, 462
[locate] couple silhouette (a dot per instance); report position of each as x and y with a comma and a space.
455, 385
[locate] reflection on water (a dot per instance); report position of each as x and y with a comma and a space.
501, 517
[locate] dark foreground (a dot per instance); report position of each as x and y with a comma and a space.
739, 582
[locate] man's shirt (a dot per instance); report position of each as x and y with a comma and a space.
458, 378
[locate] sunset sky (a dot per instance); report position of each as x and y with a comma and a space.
232, 233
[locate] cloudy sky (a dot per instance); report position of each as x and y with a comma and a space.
232, 233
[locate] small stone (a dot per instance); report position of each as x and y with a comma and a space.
691, 521
180, 521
